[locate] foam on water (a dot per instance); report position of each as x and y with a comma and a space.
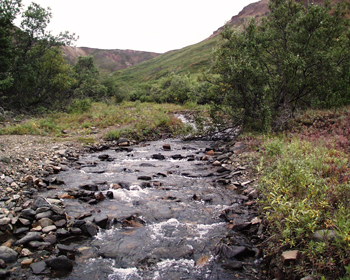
125, 274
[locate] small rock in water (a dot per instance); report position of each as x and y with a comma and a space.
167, 147
60, 263
38, 267
158, 156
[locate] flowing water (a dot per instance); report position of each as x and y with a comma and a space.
164, 215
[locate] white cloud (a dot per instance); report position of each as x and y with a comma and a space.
152, 25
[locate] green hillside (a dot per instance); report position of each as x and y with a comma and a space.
192, 59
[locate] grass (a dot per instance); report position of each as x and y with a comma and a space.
305, 187
129, 119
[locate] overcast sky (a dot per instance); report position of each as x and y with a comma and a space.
144, 25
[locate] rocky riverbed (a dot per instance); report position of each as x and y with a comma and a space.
124, 210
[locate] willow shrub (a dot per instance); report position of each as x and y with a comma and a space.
305, 188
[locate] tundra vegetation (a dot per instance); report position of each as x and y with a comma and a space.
284, 79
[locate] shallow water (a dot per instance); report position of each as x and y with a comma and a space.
174, 217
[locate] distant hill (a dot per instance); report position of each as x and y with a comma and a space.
108, 60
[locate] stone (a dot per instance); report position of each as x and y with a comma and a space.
60, 223
210, 153
44, 222
40, 202
144, 178
31, 236
46, 214
4, 273
4, 221
25, 222
216, 163
39, 244
99, 196
289, 257
38, 267
234, 265
28, 214
25, 252
64, 249
56, 209
89, 229
166, 147
21, 230
75, 230
62, 233
49, 228
8, 255
89, 187
110, 194
101, 221
158, 156
60, 263
27, 262
51, 238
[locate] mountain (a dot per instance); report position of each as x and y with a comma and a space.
108, 60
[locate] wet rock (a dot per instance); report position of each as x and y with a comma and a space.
223, 169
110, 194
26, 262
7, 254
89, 229
38, 244
30, 236
180, 252
216, 163
62, 233
4, 273
21, 230
51, 238
64, 249
56, 209
101, 221
46, 214
44, 222
234, 265
166, 147
103, 157
49, 229
210, 153
60, 223
28, 214
177, 156
60, 263
99, 196
89, 187
158, 156
4, 221
144, 178
75, 230
39, 268
230, 252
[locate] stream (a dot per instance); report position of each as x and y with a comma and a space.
161, 215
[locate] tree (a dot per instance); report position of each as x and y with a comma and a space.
297, 57
34, 72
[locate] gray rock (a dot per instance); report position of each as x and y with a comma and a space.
4, 221
62, 233
49, 228
44, 222
58, 210
234, 265
7, 254
38, 244
21, 230
4, 273
64, 249
101, 221
41, 202
28, 214
75, 230
89, 229
38, 267
46, 214
60, 263
31, 236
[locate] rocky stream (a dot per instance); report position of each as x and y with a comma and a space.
167, 209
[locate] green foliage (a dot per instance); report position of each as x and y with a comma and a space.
79, 106
305, 187
296, 58
33, 72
